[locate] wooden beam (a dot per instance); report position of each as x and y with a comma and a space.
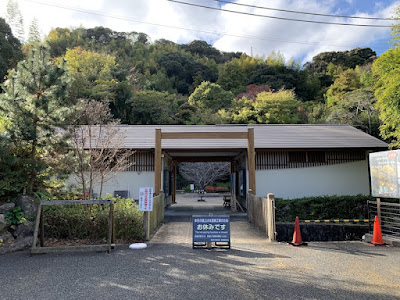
216, 150
83, 248
157, 162
203, 159
251, 158
204, 135
71, 202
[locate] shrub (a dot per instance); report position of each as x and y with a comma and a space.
209, 189
91, 221
187, 188
224, 184
322, 207
15, 216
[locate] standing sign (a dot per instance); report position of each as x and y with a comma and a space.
385, 174
146, 199
211, 229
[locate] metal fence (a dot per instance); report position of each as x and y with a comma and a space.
389, 217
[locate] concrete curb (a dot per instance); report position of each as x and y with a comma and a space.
386, 239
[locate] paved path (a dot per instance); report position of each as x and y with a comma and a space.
242, 235
187, 205
170, 269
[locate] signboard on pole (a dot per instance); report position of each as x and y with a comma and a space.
146, 199
385, 174
211, 229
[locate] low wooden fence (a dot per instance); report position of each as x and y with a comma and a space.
261, 213
153, 219
39, 228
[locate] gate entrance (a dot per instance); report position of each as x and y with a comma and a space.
165, 163
159, 136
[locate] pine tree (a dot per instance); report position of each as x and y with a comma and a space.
34, 33
10, 49
15, 19
35, 105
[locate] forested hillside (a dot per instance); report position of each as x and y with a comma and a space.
161, 82
99, 77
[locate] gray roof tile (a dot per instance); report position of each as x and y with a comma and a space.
306, 136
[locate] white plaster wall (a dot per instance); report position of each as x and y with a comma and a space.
342, 179
130, 181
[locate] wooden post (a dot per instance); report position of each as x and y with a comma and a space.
174, 182
41, 227
112, 223
378, 209
271, 227
110, 226
146, 225
251, 157
36, 231
157, 162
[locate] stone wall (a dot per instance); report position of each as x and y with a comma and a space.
14, 237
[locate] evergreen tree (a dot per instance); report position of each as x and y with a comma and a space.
35, 105
15, 19
34, 33
10, 49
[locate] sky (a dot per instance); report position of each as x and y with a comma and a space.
226, 31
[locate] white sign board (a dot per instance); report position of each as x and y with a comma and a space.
146, 199
192, 187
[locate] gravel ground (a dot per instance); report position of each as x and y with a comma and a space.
170, 269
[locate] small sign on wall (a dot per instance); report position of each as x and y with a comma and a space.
146, 199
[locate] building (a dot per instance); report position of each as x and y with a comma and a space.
291, 161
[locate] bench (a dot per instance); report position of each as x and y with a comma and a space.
227, 200
201, 195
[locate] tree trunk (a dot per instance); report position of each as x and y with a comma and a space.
32, 179
101, 185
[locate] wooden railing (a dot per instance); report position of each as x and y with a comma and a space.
261, 213
153, 219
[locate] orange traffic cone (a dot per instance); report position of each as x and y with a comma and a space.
297, 240
377, 234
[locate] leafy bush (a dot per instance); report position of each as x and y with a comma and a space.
91, 221
187, 188
323, 207
224, 184
15, 216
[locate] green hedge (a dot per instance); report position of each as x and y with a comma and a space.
323, 207
91, 221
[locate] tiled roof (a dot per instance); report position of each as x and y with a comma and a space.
307, 136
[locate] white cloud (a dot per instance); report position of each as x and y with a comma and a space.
293, 39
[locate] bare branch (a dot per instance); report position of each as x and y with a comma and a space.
97, 143
204, 173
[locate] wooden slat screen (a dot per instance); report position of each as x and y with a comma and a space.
266, 160
142, 161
